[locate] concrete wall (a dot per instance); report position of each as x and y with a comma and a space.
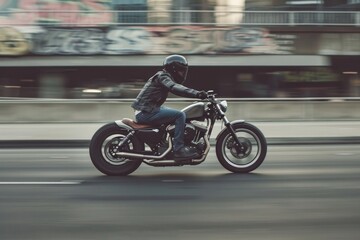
37, 111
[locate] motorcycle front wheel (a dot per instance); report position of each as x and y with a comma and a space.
102, 151
247, 160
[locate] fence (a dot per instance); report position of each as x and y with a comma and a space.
178, 17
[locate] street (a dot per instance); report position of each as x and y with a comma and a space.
300, 192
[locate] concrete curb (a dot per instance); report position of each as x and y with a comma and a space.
85, 143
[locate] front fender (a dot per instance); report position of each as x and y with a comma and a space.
232, 123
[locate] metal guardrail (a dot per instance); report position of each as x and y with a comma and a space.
175, 100
180, 17
92, 110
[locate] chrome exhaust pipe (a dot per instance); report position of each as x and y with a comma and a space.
154, 157
143, 156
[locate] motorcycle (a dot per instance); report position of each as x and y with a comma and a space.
120, 147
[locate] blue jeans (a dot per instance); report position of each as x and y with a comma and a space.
166, 115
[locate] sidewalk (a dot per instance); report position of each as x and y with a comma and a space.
79, 134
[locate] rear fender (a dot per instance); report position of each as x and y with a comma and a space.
123, 125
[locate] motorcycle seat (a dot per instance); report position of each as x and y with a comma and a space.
134, 124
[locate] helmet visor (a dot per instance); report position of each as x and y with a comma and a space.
182, 72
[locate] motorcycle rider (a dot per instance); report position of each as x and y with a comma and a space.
148, 104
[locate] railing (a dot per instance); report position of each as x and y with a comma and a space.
179, 17
303, 18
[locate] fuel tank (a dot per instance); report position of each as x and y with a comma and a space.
195, 111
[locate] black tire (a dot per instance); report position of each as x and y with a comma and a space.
252, 158
100, 151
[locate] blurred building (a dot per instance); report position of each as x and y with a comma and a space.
107, 49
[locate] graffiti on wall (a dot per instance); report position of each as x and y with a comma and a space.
140, 40
13, 42
74, 12
216, 40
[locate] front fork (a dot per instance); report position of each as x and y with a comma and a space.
240, 148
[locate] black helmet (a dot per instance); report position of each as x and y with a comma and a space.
177, 66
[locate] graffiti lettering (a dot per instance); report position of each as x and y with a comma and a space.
236, 40
166, 40
143, 40
247, 40
69, 41
12, 42
187, 41
92, 41
61, 12
128, 41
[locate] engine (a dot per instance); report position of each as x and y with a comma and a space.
193, 134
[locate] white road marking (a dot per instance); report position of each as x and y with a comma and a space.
42, 183
345, 154
59, 157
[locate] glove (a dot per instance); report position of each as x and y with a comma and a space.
201, 94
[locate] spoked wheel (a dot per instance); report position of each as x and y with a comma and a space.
241, 160
103, 147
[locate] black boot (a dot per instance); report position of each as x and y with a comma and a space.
185, 153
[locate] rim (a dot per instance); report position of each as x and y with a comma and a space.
252, 149
107, 149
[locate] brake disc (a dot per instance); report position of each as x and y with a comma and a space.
231, 145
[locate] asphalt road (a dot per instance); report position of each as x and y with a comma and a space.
300, 192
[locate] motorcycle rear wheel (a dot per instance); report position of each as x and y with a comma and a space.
248, 160
102, 151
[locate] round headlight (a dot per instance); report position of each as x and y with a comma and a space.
223, 105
